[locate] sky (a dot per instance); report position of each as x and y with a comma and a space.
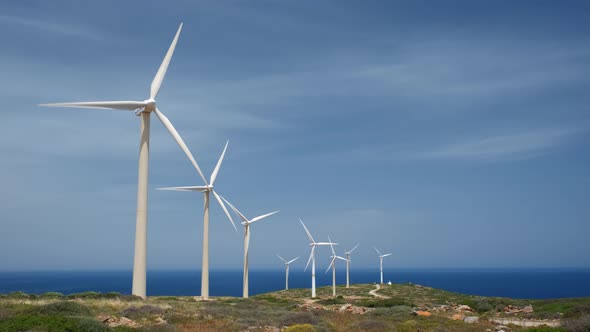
452, 134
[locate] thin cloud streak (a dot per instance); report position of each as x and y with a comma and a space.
515, 146
59, 28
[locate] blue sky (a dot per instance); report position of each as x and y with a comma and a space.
452, 134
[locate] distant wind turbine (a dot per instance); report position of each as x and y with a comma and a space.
246, 222
381, 262
333, 266
206, 190
313, 244
144, 109
287, 263
347, 253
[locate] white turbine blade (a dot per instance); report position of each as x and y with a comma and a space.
188, 188
326, 243
342, 258
284, 260
378, 253
387, 255
307, 231
331, 264
351, 250
309, 259
216, 170
331, 246
235, 210
262, 217
157, 82
114, 105
224, 209
180, 141
291, 261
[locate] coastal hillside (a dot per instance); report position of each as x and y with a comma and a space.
363, 307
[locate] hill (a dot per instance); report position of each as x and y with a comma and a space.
365, 307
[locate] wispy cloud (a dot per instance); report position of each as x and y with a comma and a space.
53, 27
514, 146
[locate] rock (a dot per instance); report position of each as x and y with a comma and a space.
458, 317
528, 309
422, 313
464, 307
345, 307
501, 328
113, 321
471, 320
160, 321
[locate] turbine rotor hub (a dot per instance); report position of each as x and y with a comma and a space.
150, 105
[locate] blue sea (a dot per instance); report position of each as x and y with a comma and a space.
521, 283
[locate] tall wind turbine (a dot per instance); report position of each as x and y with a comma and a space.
206, 190
313, 244
347, 253
287, 269
143, 109
246, 222
381, 262
333, 266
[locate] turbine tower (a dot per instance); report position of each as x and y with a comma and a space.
313, 244
142, 109
381, 262
347, 253
206, 190
246, 222
287, 269
333, 266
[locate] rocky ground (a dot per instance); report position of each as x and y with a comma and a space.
365, 307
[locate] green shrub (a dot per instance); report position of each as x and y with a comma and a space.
64, 308
333, 300
51, 295
580, 324
371, 325
546, 329
301, 328
298, 318
51, 324
391, 302
144, 311
111, 295
85, 295
18, 295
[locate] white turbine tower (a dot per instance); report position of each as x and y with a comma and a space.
313, 244
333, 266
381, 262
206, 190
287, 269
144, 109
347, 253
246, 222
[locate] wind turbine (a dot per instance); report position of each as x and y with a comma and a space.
246, 222
206, 190
381, 262
143, 109
287, 269
333, 266
313, 244
347, 253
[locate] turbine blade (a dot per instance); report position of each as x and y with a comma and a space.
309, 259
387, 255
216, 170
235, 210
331, 246
262, 217
342, 258
325, 243
284, 260
113, 105
224, 209
294, 259
351, 250
331, 265
180, 141
378, 253
188, 188
157, 82
307, 231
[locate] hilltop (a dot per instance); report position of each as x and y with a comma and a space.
364, 307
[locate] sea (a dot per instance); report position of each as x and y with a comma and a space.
513, 283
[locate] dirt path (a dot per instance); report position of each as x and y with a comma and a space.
374, 292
